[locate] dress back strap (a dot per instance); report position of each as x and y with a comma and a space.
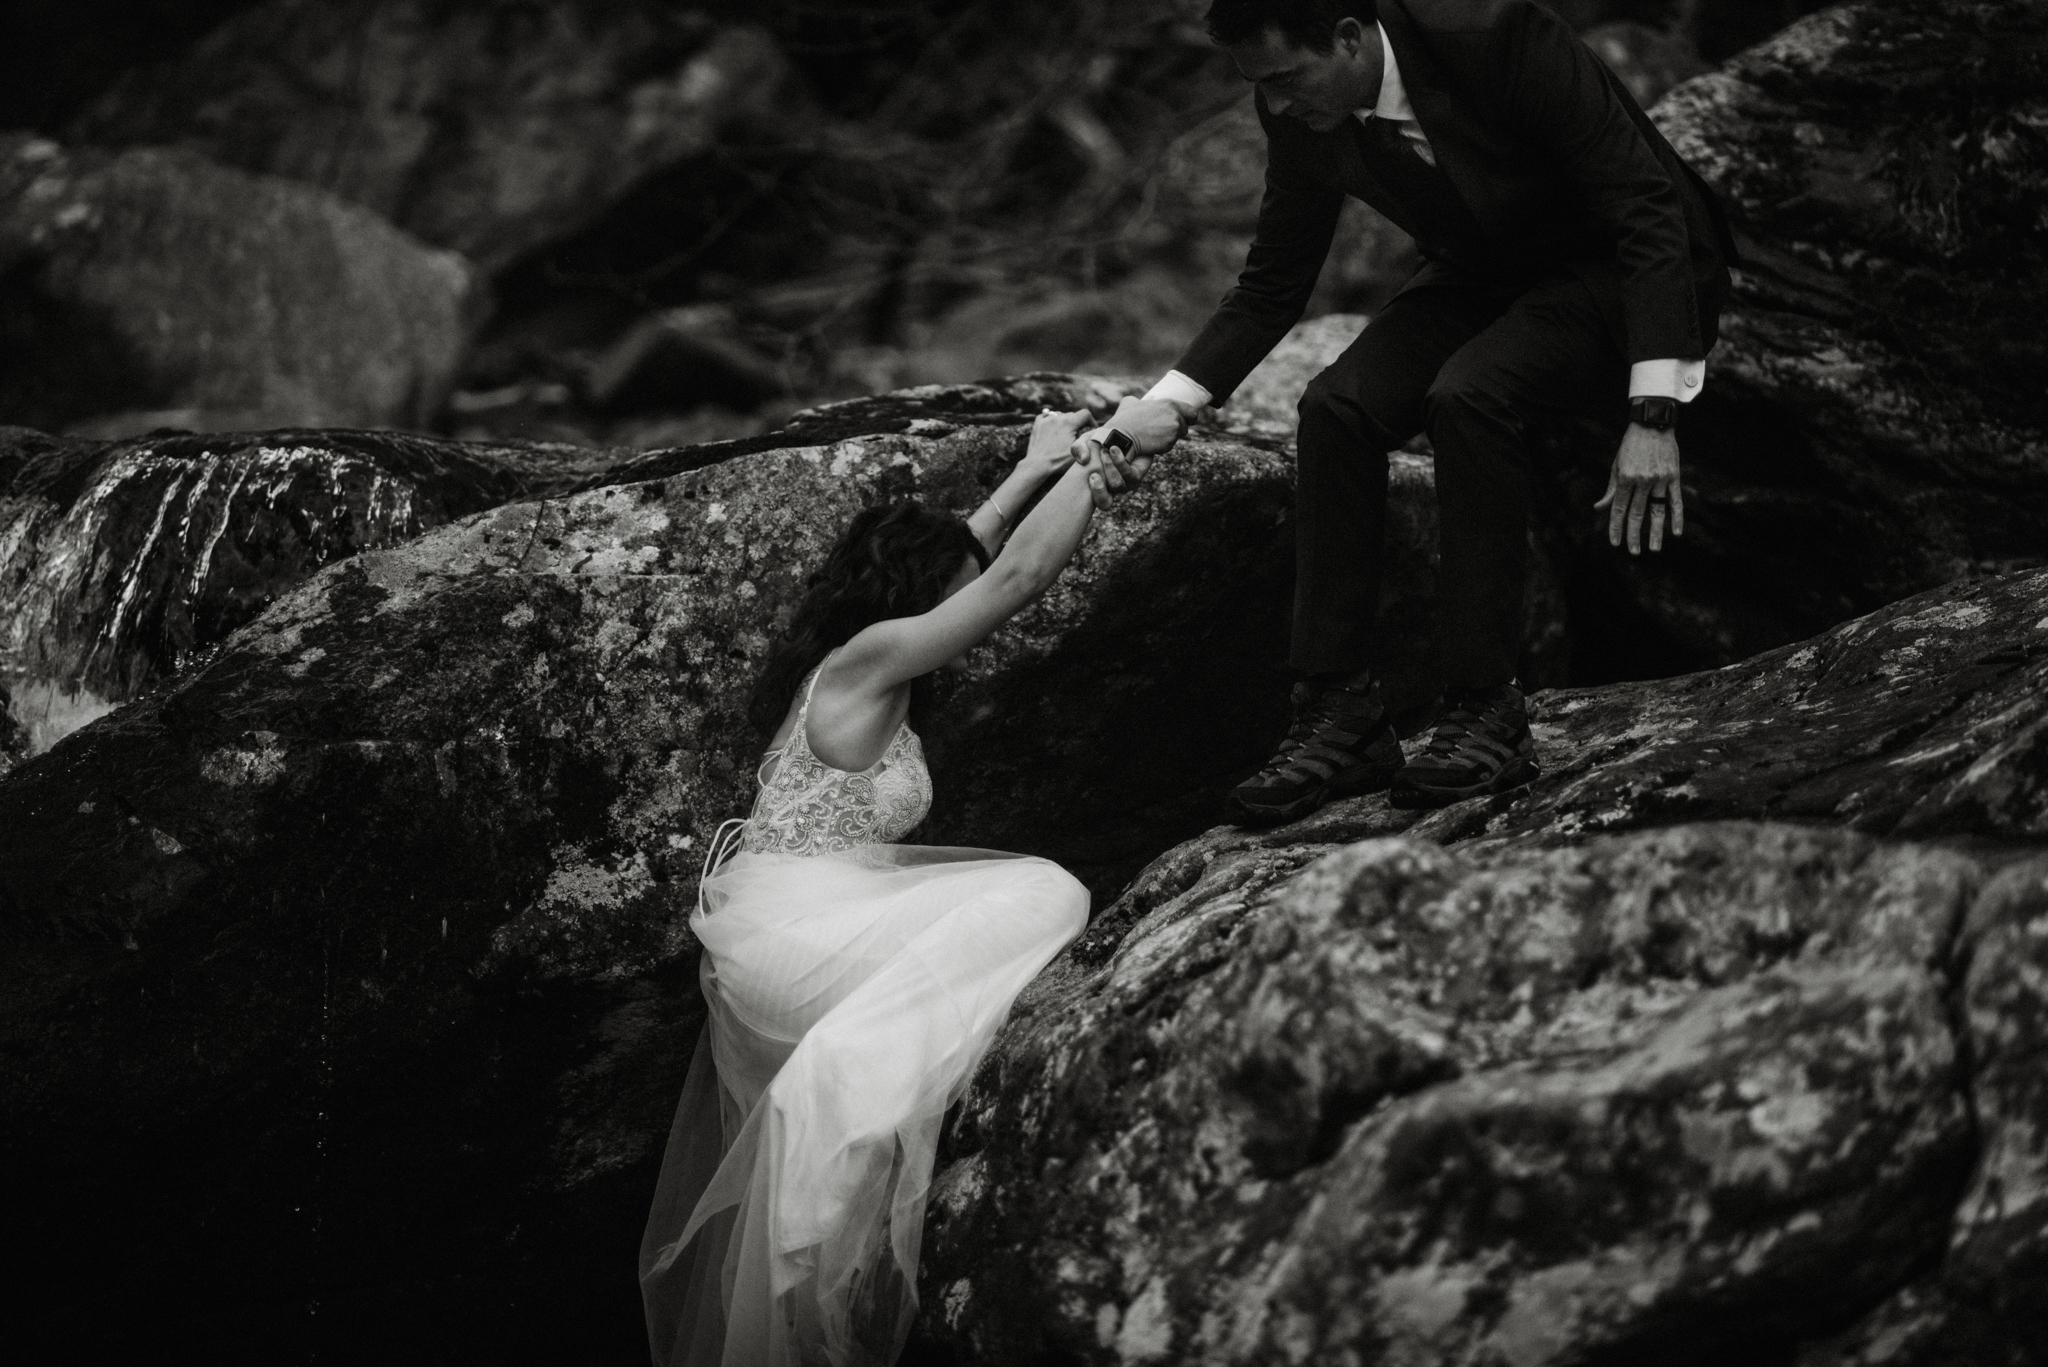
723, 844
799, 732
803, 713
812, 686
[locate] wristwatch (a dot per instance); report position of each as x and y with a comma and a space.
1654, 411
1119, 441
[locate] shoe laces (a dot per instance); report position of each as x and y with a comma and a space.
1299, 732
1464, 721
1311, 723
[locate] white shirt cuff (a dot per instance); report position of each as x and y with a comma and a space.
1179, 388
1667, 379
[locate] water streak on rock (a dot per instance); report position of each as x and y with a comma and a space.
118, 562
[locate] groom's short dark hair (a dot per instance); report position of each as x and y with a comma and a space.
1303, 23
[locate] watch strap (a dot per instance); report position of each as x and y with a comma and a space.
1654, 410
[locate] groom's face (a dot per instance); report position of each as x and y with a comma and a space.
1319, 88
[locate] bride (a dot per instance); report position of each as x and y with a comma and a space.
853, 983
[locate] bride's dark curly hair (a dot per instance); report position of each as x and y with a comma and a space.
893, 560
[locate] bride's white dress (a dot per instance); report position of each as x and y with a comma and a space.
853, 985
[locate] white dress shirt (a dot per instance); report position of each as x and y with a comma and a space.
1679, 378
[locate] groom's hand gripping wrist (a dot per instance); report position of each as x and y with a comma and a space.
1154, 425
1118, 452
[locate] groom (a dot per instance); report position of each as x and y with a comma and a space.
1572, 264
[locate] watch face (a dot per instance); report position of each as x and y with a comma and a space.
1119, 441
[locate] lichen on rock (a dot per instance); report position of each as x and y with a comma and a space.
1547, 1074
1663, 1094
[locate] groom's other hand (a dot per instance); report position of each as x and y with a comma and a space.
1643, 486
1153, 426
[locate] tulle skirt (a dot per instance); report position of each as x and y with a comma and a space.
851, 996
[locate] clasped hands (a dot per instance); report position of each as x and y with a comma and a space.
1153, 426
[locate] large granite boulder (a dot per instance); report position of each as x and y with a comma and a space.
491, 129
1548, 1078
155, 281
121, 560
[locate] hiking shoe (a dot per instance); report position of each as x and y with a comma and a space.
1481, 745
1339, 744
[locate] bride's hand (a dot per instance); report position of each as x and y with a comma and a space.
1052, 442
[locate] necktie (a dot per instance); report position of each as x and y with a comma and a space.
1387, 137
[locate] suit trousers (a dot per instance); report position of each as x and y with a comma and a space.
1471, 362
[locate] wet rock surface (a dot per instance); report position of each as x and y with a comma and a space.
1557, 1078
1997, 1266
119, 561
925, 411
291, 307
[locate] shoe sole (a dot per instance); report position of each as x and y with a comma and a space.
1351, 783
1516, 775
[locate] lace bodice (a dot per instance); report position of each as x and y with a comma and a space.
807, 807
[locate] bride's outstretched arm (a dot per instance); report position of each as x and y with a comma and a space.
888, 653
1050, 452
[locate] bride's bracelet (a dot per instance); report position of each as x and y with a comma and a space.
999, 510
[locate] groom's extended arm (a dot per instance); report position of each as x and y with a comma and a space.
1297, 218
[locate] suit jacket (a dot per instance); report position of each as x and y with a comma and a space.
1555, 160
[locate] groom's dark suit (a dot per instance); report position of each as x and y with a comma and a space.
1563, 240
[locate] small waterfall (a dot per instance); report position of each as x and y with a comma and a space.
170, 546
